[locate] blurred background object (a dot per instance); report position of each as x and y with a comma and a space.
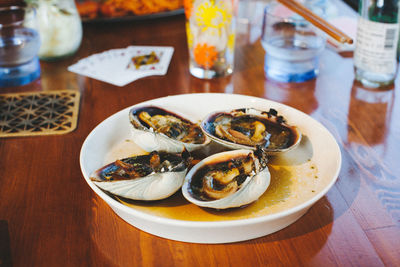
210, 31
19, 46
353, 4
11, 2
292, 45
375, 55
117, 8
59, 26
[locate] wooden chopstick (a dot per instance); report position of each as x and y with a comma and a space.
317, 21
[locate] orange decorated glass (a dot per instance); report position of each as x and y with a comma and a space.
210, 29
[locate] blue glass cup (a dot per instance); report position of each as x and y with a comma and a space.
292, 45
19, 46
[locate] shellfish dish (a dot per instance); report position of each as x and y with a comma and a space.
247, 128
145, 177
287, 183
228, 179
219, 180
155, 128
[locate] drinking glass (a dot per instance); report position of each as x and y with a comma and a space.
210, 30
292, 45
19, 46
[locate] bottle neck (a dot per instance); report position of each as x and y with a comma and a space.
385, 11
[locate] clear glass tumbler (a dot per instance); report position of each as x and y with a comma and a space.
292, 45
210, 29
19, 46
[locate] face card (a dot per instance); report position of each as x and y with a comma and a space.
122, 66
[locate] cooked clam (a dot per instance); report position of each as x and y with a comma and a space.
247, 128
155, 128
155, 176
227, 179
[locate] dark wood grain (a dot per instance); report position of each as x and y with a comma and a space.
5, 248
50, 217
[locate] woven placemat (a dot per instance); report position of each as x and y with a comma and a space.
38, 113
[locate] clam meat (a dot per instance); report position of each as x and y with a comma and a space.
155, 176
155, 128
247, 128
228, 179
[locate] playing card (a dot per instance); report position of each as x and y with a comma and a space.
122, 66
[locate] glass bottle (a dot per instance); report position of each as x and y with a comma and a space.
59, 26
375, 60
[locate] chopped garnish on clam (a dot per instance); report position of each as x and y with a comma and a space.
155, 176
247, 128
155, 128
228, 179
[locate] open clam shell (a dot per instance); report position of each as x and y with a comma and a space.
227, 179
155, 128
155, 176
248, 128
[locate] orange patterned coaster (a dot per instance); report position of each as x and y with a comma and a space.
38, 113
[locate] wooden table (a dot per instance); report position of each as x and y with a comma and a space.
50, 217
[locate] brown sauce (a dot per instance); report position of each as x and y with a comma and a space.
293, 181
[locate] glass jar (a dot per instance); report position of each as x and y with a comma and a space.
59, 26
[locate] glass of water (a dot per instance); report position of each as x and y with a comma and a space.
292, 45
19, 46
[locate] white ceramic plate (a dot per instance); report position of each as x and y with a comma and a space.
299, 178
